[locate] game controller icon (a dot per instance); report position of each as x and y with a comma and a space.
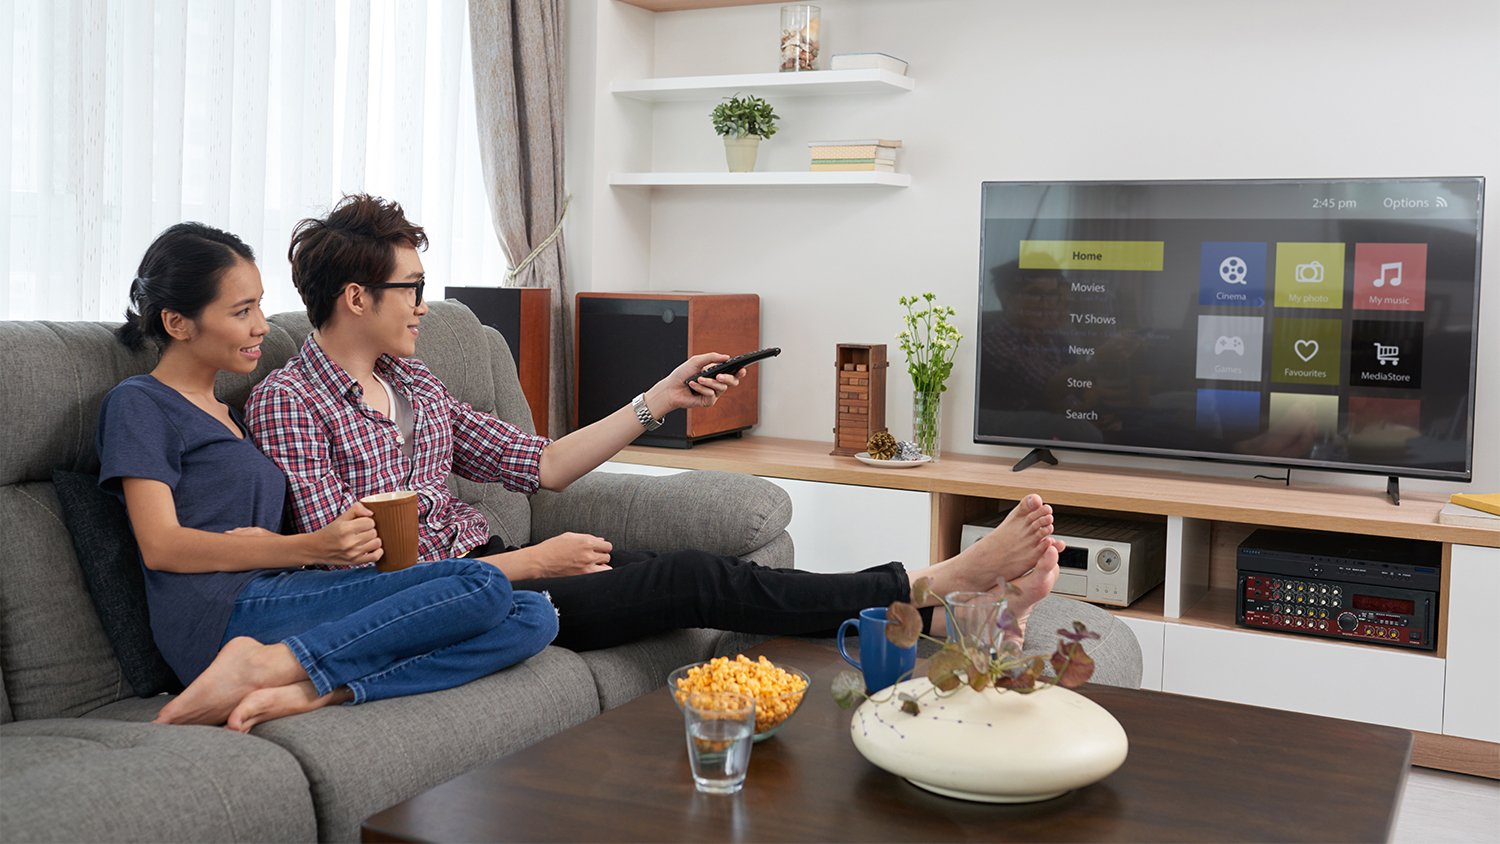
1229, 344
1233, 270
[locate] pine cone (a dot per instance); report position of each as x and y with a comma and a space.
882, 445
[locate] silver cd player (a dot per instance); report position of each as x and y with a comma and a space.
1106, 561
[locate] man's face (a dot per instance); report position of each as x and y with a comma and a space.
393, 322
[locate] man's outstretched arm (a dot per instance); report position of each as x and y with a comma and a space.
575, 455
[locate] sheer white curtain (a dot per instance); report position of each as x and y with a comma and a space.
122, 117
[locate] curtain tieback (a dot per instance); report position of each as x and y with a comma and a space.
521, 266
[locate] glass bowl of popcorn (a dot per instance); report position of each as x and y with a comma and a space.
778, 689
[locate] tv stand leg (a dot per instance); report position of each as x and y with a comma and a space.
1037, 455
1393, 490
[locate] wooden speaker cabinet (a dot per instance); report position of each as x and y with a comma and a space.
523, 316
626, 342
860, 406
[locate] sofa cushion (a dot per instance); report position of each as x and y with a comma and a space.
57, 660
110, 561
718, 512
81, 779
625, 672
362, 759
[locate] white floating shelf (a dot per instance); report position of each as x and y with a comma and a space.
805, 84
794, 177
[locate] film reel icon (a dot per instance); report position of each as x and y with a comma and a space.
1234, 270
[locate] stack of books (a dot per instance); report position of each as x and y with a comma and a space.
868, 154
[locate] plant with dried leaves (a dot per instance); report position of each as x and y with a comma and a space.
962, 662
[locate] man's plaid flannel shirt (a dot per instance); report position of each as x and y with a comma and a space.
310, 418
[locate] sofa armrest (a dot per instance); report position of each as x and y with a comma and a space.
719, 512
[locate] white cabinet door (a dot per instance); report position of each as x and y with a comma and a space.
839, 528
1361, 683
1471, 703
1150, 634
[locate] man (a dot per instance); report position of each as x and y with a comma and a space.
354, 414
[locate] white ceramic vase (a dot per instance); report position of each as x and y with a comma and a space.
741, 152
991, 746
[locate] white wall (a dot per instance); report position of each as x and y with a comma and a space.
1171, 89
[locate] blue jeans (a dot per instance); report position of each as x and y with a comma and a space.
388, 634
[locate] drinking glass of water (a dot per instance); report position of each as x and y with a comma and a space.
719, 730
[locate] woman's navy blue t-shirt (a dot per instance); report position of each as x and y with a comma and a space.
219, 482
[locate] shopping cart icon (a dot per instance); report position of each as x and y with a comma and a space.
1388, 354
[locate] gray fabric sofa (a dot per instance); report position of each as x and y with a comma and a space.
79, 760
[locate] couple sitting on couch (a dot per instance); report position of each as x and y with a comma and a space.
261, 625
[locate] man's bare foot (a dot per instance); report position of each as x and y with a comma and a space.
1032, 587
264, 705
242, 666
1008, 551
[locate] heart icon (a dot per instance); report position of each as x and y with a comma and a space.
1306, 349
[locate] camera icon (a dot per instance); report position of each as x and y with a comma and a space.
1309, 273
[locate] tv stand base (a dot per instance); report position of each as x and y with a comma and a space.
1393, 490
1037, 455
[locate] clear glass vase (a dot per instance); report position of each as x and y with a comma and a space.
799, 37
927, 421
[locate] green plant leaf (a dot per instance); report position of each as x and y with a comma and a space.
1078, 634
946, 670
848, 688
921, 591
1073, 666
903, 625
739, 116
1024, 677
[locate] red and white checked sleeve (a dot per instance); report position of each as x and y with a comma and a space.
488, 449
286, 431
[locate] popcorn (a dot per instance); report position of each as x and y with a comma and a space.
777, 692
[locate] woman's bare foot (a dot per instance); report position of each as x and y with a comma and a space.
242, 666
1007, 552
264, 705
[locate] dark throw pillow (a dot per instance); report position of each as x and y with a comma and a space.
111, 565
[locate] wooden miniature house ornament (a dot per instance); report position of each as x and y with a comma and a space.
859, 409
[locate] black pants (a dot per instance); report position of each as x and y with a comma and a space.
645, 593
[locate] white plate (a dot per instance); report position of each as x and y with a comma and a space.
865, 458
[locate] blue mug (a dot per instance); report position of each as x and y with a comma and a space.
882, 663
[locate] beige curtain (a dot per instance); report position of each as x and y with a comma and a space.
518, 92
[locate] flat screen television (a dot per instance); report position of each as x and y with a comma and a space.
1326, 323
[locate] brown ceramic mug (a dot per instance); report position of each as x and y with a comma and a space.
395, 515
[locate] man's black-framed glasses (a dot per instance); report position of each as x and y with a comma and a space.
418, 286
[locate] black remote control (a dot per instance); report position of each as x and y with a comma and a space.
735, 364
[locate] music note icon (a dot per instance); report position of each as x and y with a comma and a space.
1389, 273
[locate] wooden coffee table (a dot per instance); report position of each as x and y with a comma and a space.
1198, 770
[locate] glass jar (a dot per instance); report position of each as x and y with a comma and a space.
799, 37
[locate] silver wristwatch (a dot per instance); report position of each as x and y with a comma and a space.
643, 413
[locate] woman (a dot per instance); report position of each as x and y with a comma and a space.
206, 508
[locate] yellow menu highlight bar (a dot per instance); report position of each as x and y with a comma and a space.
1140, 255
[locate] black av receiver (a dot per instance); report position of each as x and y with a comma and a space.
1340, 586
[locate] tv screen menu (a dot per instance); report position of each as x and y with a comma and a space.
1318, 323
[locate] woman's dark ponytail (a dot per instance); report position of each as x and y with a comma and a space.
129, 333
180, 272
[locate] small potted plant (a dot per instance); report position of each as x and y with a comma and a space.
743, 121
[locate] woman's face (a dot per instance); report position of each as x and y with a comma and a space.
227, 335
